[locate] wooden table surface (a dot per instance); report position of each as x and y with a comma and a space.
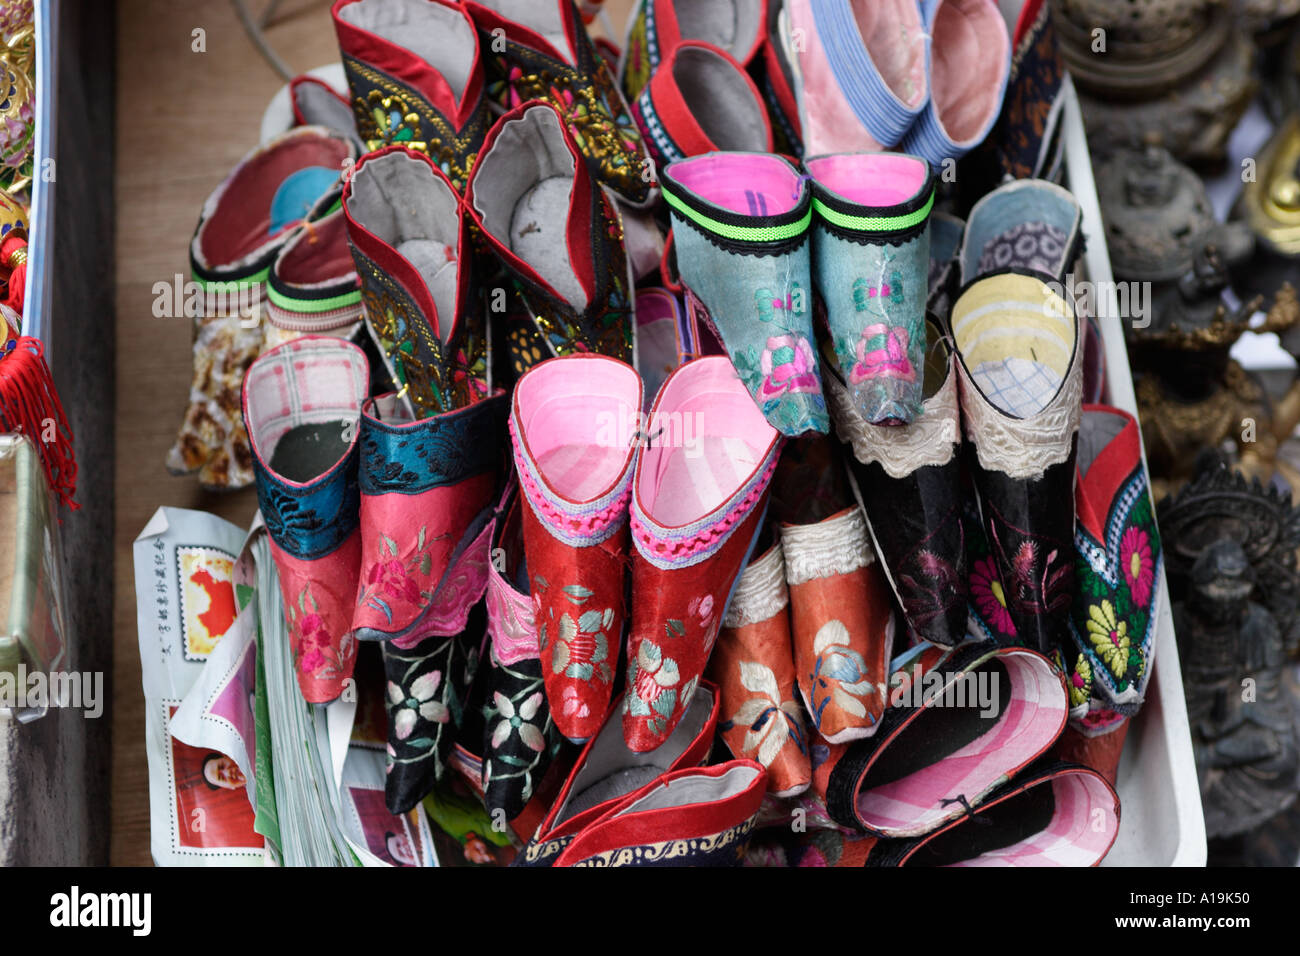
184, 118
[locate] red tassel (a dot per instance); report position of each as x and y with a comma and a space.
13, 254
29, 405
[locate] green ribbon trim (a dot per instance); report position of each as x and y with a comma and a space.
741, 233
290, 304
233, 285
874, 223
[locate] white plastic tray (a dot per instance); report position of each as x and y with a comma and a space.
1160, 800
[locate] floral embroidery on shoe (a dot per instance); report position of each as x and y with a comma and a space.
529, 733
581, 647
882, 353
315, 656
788, 366
771, 721
990, 598
837, 661
417, 702
1109, 637
652, 680
390, 580
1080, 683
1138, 564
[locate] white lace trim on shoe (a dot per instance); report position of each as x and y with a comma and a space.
931, 439
761, 591
837, 545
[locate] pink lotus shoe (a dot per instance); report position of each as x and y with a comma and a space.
698, 498
301, 403
574, 427
864, 72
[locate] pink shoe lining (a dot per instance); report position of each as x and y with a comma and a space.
1034, 716
883, 25
710, 458
879, 179
969, 55
1072, 839
746, 183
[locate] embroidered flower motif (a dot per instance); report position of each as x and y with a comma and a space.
652, 679
1138, 564
529, 733
1109, 637
837, 661
1080, 683
581, 648
788, 366
572, 705
315, 641
882, 353
990, 599
392, 580
417, 703
771, 721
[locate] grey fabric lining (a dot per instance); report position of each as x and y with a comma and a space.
540, 16
397, 198
691, 790
441, 36
521, 190
720, 100
731, 24
320, 108
306, 452
1096, 431
612, 770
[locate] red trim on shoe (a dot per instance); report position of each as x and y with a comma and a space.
308, 80
1095, 491
679, 121
402, 64
397, 265
487, 19
578, 231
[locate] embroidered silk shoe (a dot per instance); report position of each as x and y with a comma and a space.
1019, 372
741, 229
689, 817
700, 101
950, 739
416, 75
411, 246
863, 69
1025, 226
519, 736
556, 231
607, 772
301, 404
1117, 573
312, 286
909, 480
1052, 814
871, 254
658, 27
842, 620
427, 490
970, 57
549, 56
754, 666
574, 426
245, 223
699, 493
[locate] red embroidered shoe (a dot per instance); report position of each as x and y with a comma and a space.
411, 246
416, 77
607, 772
698, 498
753, 664
658, 27
548, 56
301, 403
690, 817
556, 231
1052, 814
573, 424
842, 619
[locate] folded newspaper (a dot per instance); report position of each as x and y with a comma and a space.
242, 771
